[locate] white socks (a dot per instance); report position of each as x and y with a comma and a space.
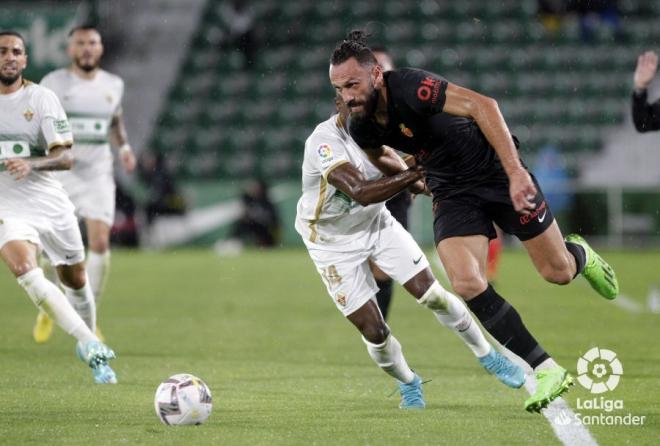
49, 270
389, 357
98, 268
451, 313
50, 299
82, 301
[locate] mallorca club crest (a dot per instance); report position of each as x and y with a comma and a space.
405, 130
341, 299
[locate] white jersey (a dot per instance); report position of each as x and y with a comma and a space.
328, 219
32, 121
91, 105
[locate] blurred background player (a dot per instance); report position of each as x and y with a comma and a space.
645, 116
259, 222
35, 213
342, 220
92, 99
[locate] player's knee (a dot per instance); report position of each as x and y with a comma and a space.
375, 333
21, 268
468, 286
557, 272
99, 245
74, 276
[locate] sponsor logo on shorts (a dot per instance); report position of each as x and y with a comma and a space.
70, 256
341, 299
539, 212
416, 261
542, 217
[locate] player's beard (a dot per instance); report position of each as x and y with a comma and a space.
368, 107
9, 80
86, 67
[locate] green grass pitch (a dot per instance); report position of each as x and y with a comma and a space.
286, 369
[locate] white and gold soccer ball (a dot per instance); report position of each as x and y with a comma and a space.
183, 399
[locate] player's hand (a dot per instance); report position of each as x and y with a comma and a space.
522, 191
419, 188
18, 167
127, 157
647, 65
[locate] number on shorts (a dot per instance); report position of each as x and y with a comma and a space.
331, 276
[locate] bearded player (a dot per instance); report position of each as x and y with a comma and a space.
92, 99
35, 212
477, 180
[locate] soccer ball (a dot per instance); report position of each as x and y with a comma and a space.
183, 399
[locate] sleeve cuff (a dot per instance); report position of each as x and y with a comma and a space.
333, 167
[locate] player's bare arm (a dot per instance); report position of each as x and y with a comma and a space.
390, 163
119, 138
486, 113
59, 158
348, 179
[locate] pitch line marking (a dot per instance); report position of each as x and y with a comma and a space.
559, 414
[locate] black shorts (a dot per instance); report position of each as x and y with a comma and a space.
473, 212
399, 205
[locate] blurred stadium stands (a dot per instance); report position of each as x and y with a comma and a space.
226, 122
190, 96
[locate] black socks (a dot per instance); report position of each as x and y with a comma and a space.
579, 254
503, 322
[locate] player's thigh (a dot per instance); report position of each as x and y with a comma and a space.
397, 253
548, 251
63, 243
19, 243
378, 273
464, 259
347, 277
524, 227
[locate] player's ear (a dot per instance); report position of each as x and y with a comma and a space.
377, 73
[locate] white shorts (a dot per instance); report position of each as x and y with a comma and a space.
63, 244
93, 198
347, 275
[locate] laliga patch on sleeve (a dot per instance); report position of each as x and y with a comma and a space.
325, 155
62, 126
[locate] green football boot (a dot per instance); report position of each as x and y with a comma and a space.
550, 385
597, 271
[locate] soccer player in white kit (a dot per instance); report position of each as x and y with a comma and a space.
344, 224
35, 212
92, 99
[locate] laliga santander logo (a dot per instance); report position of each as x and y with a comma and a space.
325, 151
599, 370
